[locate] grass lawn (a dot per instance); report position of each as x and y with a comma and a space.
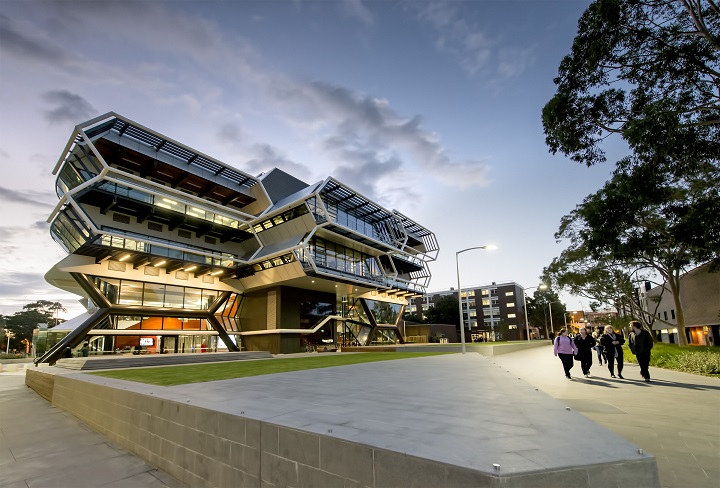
199, 373
690, 359
468, 344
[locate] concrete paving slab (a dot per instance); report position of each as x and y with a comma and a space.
675, 417
43, 447
461, 411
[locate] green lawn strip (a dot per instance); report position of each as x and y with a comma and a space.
199, 373
468, 344
690, 359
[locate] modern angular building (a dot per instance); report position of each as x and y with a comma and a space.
177, 252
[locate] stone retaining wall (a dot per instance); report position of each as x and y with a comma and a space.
206, 448
42, 383
209, 448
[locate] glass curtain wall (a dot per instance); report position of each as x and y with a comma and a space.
157, 295
336, 257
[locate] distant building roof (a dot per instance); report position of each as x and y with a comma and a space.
72, 323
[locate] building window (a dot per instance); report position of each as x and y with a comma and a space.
511, 316
510, 304
665, 314
672, 314
509, 293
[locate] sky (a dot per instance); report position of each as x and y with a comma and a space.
432, 108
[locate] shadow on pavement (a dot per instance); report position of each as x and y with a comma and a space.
674, 384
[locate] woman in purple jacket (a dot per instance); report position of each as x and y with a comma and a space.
565, 348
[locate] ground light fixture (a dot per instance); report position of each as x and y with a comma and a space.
487, 247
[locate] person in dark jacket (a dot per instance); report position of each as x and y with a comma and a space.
612, 343
585, 343
641, 343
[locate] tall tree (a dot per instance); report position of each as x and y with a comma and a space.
646, 70
40, 312
539, 307
645, 218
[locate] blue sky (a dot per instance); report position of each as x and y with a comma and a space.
432, 108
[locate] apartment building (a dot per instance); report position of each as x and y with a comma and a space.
490, 312
176, 252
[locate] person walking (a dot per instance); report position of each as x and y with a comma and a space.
641, 343
585, 344
612, 343
598, 347
566, 350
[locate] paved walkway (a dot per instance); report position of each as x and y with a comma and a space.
676, 417
43, 447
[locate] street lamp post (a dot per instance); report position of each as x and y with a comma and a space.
527, 326
457, 267
552, 329
9, 334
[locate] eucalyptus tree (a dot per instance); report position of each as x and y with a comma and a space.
645, 219
647, 71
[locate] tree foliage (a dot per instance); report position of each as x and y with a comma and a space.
22, 323
642, 219
445, 311
539, 312
648, 71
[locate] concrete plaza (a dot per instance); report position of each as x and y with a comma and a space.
676, 417
524, 430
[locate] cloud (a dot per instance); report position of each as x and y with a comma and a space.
356, 9
18, 289
366, 169
266, 157
20, 42
229, 134
475, 52
365, 130
69, 107
27, 197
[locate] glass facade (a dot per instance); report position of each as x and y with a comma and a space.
287, 216
384, 312
142, 243
156, 295
70, 231
312, 312
338, 258
384, 336
77, 169
168, 203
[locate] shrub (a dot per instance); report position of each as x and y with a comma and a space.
691, 359
700, 363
